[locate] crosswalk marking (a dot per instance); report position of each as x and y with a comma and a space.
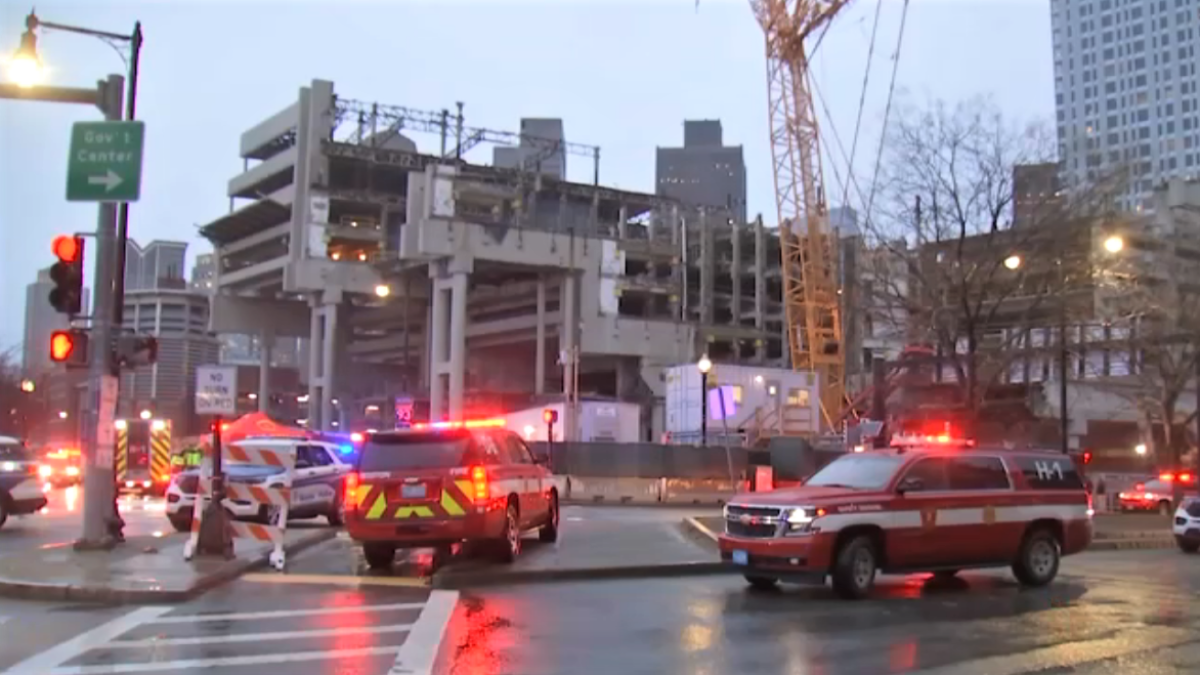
224, 662
258, 637
419, 652
285, 613
41, 664
337, 580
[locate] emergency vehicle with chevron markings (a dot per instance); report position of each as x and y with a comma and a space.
445, 483
142, 455
934, 506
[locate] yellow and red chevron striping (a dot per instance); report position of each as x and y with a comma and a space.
377, 502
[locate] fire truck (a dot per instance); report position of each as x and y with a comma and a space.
142, 455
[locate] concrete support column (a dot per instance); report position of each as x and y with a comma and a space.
266, 341
735, 272
568, 346
448, 338
622, 218
707, 269
458, 343
760, 287
316, 350
539, 362
439, 316
329, 354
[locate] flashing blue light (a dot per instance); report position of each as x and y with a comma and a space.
346, 449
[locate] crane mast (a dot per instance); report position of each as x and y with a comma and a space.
807, 245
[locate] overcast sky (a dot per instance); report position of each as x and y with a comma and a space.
622, 75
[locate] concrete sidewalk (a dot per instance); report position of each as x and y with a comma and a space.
592, 549
1114, 532
143, 570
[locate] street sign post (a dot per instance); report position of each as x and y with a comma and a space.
216, 395
105, 164
216, 390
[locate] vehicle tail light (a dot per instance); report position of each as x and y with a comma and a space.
1166, 477
1185, 478
350, 489
479, 481
1091, 511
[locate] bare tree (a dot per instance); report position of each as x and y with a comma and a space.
18, 410
1152, 297
949, 260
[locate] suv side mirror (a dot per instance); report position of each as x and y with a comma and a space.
912, 484
541, 459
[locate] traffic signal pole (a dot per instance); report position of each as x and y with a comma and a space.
98, 487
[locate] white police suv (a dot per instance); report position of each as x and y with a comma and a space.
20, 489
317, 485
1186, 524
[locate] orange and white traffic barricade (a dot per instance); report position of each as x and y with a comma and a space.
276, 498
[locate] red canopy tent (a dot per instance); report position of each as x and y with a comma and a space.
258, 424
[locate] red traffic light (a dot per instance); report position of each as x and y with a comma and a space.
62, 345
67, 249
1087, 456
550, 415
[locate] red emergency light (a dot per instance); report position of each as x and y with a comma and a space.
463, 424
1168, 477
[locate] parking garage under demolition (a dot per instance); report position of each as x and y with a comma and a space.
473, 288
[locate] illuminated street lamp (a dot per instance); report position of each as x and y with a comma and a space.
25, 68
1012, 262
62, 414
28, 386
1114, 244
704, 365
1140, 448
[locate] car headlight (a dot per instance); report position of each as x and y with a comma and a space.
9, 466
802, 516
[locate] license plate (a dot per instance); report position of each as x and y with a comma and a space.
741, 558
412, 491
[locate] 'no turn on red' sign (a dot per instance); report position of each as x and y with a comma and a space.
216, 390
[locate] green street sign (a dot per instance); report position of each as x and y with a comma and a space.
106, 162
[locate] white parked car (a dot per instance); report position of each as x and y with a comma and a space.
317, 485
20, 488
1186, 525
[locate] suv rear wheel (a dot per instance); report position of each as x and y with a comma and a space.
549, 532
508, 547
854, 568
1037, 562
379, 556
337, 510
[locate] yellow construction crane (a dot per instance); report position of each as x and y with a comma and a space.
808, 247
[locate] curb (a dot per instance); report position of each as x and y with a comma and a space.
450, 580
1132, 544
629, 503
26, 590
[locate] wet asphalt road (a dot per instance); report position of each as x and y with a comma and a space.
61, 522
1135, 612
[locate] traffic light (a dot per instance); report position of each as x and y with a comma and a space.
550, 415
69, 347
67, 275
1087, 456
136, 350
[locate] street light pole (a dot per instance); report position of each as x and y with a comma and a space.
1063, 356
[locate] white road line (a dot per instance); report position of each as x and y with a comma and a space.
43, 663
256, 637
285, 613
199, 664
420, 648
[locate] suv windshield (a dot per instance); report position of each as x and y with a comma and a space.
436, 450
13, 452
865, 472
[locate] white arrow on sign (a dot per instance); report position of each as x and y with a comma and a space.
110, 180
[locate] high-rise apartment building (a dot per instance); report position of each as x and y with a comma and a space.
1126, 81
704, 172
540, 150
147, 267
204, 272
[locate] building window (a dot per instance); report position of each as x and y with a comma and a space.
798, 397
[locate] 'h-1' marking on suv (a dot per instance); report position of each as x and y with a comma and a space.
923, 509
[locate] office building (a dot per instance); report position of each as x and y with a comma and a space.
704, 172
204, 272
1126, 97
541, 149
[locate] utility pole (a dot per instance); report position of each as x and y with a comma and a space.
98, 486
1063, 358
